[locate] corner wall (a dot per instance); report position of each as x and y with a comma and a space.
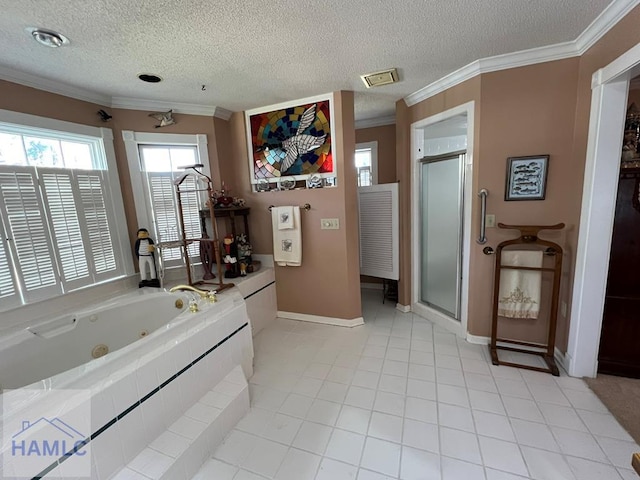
327, 284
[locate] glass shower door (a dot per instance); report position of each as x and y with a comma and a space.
441, 232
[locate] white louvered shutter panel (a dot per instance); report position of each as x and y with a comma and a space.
8, 294
379, 231
191, 215
21, 205
61, 197
95, 215
163, 205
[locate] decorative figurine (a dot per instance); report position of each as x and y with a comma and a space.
231, 256
144, 249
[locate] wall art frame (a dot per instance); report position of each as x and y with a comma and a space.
293, 140
526, 178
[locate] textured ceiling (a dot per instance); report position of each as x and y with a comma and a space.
252, 53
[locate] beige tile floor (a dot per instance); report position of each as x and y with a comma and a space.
399, 398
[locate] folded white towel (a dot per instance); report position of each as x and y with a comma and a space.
519, 294
285, 218
287, 243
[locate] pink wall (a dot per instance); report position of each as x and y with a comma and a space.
538, 109
327, 284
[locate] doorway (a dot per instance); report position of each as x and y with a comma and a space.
608, 110
619, 353
441, 185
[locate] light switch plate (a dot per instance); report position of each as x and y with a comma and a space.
490, 221
329, 224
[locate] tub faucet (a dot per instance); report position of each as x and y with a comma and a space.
208, 295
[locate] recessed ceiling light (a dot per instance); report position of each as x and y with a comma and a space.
48, 38
378, 79
150, 78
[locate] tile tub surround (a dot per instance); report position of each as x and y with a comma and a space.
150, 385
400, 398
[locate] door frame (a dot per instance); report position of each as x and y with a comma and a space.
610, 88
417, 144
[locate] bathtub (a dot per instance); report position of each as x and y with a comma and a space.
56, 345
162, 358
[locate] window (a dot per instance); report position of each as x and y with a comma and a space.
155, 161
57, 222
367, 163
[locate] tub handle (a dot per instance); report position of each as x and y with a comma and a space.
54, 328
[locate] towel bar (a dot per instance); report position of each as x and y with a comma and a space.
306, 207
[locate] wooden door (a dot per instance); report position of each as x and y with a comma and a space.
620, 340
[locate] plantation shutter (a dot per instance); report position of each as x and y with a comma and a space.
25, 220
379, 231
91, 186
163, 204
191, 214
61, 198
8, 294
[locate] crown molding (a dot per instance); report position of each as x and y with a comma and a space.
609, 17
376, 122
550, 53
129, 103
53, 86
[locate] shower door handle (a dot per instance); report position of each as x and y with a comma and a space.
482, 239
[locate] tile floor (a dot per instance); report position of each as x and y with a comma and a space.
399, 398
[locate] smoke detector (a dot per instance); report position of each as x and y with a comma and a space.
378, 79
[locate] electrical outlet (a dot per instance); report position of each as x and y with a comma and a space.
490, 221
329, 224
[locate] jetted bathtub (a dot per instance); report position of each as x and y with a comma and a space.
161, 359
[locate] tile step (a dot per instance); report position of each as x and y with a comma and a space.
181, 450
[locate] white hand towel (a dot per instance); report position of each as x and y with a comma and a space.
519, 294
287, 243
285, 218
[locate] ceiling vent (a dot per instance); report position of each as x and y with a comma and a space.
378, 79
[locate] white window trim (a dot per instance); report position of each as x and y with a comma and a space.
131, 142
373, 146
122, 249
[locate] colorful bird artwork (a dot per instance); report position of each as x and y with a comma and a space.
299, 143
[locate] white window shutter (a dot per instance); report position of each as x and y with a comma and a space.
8, 288
21, 204
379, 231
62, 198
163, 205
96, 218
191, 215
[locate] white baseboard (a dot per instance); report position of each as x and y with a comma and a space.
372, 286
340, 322
478, 340
562, 359
403, 308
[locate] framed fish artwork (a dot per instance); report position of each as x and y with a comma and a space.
526, 178
293, 140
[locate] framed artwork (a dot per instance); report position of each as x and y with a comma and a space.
293, 140
526, 177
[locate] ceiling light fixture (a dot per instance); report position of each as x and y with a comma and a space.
378, 79
48, 38
150, 78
